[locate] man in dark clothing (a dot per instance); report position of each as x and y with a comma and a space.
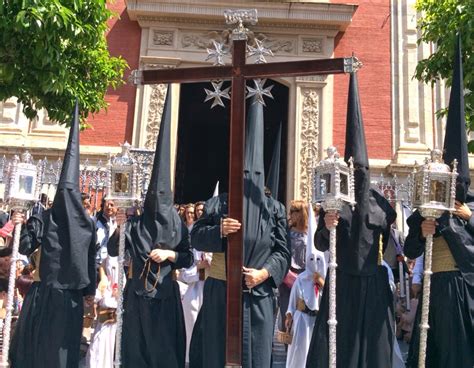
364, 311
266, 260
48, 332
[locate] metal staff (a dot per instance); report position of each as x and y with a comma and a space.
10, 297
121, 277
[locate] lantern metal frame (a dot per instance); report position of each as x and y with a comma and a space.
23, 182
123, 166
333, 182
433, 186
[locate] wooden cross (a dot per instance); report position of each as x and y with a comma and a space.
238, 73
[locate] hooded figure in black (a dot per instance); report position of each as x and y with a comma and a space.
48, 333
154, 334
266, 259
451, 315
364, 309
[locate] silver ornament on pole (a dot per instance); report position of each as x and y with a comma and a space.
434, 191
22, 189
333, 186
122, 188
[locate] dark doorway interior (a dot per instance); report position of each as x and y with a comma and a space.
203, 141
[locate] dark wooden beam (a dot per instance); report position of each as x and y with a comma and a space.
235, 245
294, 68
199, 74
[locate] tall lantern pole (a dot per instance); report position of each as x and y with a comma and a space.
333, 186
23, 186
434, 193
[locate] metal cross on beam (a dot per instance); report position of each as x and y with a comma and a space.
238, 72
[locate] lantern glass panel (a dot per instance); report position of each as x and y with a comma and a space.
24, 183
326, 184
344, 184
438, 190
418, 191
121, 183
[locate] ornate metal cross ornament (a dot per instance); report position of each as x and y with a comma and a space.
218, 94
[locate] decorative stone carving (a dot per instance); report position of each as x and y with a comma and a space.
204, 40
155, 110
162, 38
277, 45
309, 138
313, 45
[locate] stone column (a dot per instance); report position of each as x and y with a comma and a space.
306, 139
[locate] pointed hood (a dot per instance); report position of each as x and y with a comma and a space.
70, 171
68, 229
355, 142
274, 173
254, 176
160, 219
455, 140
315, 262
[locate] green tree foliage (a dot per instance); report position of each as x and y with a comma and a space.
54, 51
440, 21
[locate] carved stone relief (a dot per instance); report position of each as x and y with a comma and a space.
309, 138
155, 110
313, 45
204, 40
162, 38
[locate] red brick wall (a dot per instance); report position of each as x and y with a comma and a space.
115, 125
369, 38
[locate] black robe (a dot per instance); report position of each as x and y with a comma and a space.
364, 301
49, 329
269, 251
451, 315
154, 333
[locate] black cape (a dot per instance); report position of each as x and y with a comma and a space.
451, 319
269, 251
364, 310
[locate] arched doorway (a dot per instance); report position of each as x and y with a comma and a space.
203, 141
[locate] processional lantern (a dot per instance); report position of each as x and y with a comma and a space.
333, 186
433, 193
22, 189
22, 182
434, 186
122, 188
122, 179
333, 182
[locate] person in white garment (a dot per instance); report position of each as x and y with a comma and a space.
101, 349
304, 300
194, 278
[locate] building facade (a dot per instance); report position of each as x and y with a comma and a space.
398, 111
